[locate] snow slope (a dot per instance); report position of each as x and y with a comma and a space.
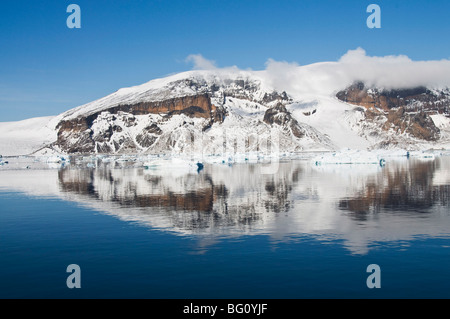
332, 118
27, 136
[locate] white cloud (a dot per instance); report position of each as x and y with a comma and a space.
394, 71
390, 72
201, 63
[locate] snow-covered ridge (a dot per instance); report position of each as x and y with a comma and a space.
178, 85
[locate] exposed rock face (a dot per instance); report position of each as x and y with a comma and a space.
281, 116
244, 89
75, 136
196, 105
81, 135
413, 100
419, 125
403, 111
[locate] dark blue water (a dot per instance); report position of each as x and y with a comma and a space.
208, 256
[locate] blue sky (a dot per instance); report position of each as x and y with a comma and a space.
47, 68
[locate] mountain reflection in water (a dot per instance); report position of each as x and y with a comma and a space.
401, 188
360, 204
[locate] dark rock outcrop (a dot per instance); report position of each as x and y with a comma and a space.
195, 105
413, 99
75, 136
281, 116
419, 125
403, 110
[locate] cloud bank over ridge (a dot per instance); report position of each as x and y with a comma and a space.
389, 72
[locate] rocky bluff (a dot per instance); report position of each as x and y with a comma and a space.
76, 135
402, 110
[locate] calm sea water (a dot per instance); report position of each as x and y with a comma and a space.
227, 232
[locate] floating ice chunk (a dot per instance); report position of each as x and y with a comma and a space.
349, 157
393, 153
176, 164
155, 164
54, 165
229, 159
218, 160
422, 155
126, 158
55, 159
2, 162
106, 159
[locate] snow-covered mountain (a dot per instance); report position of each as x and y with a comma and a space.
224, 111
